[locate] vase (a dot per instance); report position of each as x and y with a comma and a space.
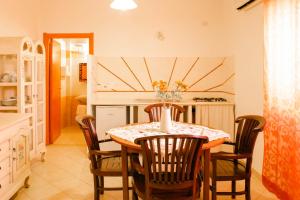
165, 119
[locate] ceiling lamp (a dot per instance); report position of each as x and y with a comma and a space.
123, 5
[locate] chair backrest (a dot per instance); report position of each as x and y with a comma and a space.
88, 127
248, 128
154, 111
171, 161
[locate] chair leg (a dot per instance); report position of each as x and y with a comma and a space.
134, 195
148, 193
247, 189
214, 190
233, 188
96, 188
101, 184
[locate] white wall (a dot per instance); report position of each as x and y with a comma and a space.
244, 33
190, 28
18, 18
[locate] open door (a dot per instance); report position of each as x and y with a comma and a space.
55, 86
53, 80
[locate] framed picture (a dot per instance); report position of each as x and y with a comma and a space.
82, 72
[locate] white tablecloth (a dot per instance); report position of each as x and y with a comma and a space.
130, 133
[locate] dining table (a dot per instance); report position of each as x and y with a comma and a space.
126, 135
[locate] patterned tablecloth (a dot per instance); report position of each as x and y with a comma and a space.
131, 132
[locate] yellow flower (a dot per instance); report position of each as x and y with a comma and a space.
180, 85
166, 94
178, 82
155, 83
162, 86
161, 82
184, 87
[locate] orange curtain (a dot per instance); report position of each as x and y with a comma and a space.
281, 168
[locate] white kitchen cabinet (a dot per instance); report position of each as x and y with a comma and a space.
22, 77
14, 153
220, 116
108, 117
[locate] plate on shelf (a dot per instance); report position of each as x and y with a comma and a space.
9, 102
8, 77
5, 77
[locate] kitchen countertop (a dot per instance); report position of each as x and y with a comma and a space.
151, 101
9, 119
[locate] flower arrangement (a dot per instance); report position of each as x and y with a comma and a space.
163, 92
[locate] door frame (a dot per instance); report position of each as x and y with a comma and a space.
48, 38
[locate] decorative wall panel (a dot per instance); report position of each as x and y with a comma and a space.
135, 74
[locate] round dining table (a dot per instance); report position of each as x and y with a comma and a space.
126, 135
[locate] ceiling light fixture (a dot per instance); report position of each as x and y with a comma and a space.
123, 5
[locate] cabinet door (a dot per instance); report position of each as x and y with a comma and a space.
108, 117
40, 108
20, 152
27, 97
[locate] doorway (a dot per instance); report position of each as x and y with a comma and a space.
66, 62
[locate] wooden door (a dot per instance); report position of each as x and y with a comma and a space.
55, 86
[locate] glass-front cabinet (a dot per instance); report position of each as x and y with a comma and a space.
22, 86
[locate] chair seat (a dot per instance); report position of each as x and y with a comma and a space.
226, 169
111, 166
157, 194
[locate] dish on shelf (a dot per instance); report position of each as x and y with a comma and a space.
13, 77
9, 102
8, 77
5, 77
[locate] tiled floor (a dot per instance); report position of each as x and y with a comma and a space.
65, 174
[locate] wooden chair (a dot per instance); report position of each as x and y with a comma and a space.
154, 111
171, 166
229, 166
103, 163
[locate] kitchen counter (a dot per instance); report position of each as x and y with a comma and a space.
9, 119
151, 101
219, 115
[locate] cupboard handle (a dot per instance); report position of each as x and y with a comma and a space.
0, 167
0, 186
14, 149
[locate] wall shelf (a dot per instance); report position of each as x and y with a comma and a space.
7, 108
8, 84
